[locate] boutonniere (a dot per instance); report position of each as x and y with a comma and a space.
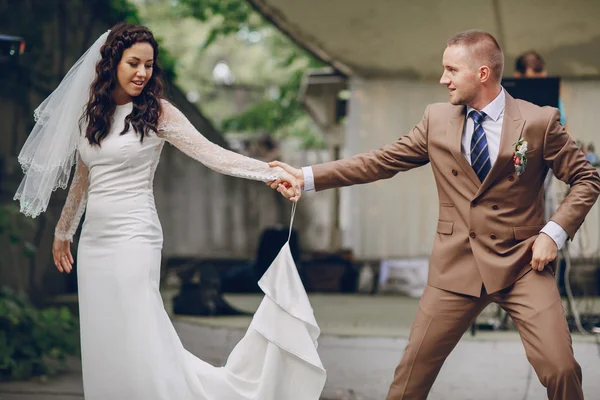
520, 156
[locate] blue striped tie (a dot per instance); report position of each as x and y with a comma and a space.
480, 157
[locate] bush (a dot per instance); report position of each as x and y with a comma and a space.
15, 228
33, 341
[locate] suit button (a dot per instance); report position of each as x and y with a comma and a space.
454, 172
473, 235
493, 237
495, 207
511, 178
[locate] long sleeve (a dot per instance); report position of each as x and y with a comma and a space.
175, 128
409, 151
309, 179
570, 166
75, 204
556, 232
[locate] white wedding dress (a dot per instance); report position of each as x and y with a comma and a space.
130, 350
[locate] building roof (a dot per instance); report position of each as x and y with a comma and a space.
406, 38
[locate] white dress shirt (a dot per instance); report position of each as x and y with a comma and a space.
492, 125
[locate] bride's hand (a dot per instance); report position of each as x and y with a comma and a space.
61, 252
289, 187
290, 182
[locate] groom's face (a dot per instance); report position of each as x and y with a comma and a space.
460, 75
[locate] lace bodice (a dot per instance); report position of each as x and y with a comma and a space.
176, 129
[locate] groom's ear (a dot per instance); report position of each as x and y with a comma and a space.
484, 73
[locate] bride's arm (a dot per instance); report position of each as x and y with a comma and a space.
75, 204
176, 129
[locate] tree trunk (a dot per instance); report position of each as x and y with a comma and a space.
56, 33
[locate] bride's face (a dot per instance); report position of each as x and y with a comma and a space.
134, 71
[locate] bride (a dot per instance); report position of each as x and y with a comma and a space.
108, 118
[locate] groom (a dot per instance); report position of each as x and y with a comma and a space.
492, 242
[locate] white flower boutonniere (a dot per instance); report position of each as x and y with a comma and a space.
520, 156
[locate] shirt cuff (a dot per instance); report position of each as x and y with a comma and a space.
556, 232
309, 179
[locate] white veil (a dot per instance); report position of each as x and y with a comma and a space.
51, 148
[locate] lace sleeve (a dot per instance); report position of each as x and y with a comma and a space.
175, 128
75, 204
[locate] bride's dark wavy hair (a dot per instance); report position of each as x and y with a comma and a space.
101, 105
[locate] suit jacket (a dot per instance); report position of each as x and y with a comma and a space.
485, 229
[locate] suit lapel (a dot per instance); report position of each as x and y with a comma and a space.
454, 132
512, 126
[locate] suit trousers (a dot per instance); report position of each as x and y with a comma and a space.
533, 303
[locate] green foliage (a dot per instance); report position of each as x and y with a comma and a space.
279, 112
16, 227
123, 10
269, 114
234, 15
32, 341
167, 63
282, 115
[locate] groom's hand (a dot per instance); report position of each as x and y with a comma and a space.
295, 172
544, 250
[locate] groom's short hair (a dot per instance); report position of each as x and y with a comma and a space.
484, 47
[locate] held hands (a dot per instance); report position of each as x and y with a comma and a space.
290, 184
61, 252
544, 250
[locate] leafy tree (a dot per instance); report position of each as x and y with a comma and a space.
269, 70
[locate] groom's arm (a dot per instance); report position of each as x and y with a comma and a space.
407, 152
570, 166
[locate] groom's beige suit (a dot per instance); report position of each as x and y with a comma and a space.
485, 232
